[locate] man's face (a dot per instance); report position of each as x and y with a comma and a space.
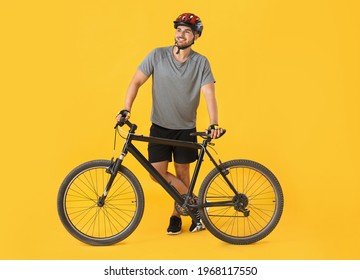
184, 36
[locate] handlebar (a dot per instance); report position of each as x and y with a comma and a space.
133, 128
123, 121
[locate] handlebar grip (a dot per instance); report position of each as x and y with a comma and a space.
206, 135
223, 132
121, 122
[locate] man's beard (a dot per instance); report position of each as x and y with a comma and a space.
182, 46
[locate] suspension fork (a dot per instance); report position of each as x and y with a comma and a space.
113, 169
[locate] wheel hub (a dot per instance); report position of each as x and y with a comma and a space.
241, 201
101, 202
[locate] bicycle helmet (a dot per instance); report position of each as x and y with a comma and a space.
191, 21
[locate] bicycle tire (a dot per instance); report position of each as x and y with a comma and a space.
85, 219
259, 190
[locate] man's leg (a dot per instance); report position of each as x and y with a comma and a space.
183, 173
175, 219
181, 181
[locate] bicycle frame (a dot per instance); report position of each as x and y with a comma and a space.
167, 186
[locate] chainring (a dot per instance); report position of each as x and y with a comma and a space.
183, 211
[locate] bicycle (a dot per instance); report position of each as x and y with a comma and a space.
101, 202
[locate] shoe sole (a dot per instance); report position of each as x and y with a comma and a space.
173, 233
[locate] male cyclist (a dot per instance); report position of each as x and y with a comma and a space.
179, 74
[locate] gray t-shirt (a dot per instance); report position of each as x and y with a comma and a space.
176, 87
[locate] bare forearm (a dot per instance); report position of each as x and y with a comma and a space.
130, 96
213, 111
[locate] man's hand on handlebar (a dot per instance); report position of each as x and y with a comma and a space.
123, 116
215, 131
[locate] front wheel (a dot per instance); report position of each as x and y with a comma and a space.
90, 221
247, 215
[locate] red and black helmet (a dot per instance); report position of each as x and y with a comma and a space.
191, 21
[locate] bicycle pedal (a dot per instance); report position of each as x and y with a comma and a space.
200, 226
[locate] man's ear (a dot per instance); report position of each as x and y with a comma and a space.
196, 36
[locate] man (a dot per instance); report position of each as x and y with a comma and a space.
179, 74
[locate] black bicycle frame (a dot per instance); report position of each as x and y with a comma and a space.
168, 187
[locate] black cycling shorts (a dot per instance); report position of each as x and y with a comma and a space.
159, 152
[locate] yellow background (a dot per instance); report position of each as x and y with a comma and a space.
288, 92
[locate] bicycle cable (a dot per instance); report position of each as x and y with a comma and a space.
116, 132
217, 155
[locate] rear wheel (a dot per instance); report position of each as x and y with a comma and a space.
90, 221
248, 216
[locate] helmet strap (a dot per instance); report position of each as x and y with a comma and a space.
184, 47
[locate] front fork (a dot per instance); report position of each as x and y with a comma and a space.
113, 169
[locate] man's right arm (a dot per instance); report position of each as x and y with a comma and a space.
137, 81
